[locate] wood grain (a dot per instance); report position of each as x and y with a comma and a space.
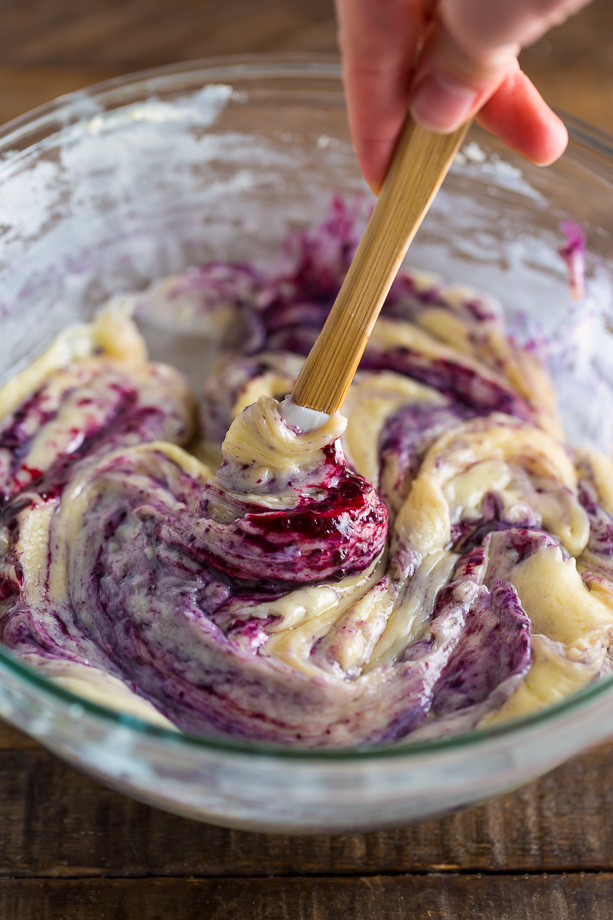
420, 163
463, 897
13, 740
51, 48
55, 822
48, 48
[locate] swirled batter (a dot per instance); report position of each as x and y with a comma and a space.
435, 561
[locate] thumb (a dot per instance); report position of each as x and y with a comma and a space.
472, 50
451, 84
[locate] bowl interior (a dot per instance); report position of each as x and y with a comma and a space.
117, 186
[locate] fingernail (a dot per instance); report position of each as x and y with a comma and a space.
441, 104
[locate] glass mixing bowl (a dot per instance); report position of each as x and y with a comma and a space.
106, 189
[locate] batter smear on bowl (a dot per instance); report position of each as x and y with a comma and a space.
437, 560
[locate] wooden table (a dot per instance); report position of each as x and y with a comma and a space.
71, 849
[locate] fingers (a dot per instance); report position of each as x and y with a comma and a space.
521, 118
378, 42
467, 65
450, 84
473, 50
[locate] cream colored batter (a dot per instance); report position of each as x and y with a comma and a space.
436, 560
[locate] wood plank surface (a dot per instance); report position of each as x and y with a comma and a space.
56, 822
431, 897
71, 849
50, 48
13, 740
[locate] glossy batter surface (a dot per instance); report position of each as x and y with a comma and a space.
435, 561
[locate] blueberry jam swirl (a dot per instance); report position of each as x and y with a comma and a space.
435, 561
284, 508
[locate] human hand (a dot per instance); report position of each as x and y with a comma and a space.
467, 66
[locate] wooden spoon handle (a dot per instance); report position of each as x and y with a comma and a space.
419, 165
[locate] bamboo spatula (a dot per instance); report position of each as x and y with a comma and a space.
419, 165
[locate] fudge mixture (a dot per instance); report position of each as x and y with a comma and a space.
434, 560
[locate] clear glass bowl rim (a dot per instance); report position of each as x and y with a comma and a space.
315, 67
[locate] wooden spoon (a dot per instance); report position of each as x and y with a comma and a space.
419, 165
